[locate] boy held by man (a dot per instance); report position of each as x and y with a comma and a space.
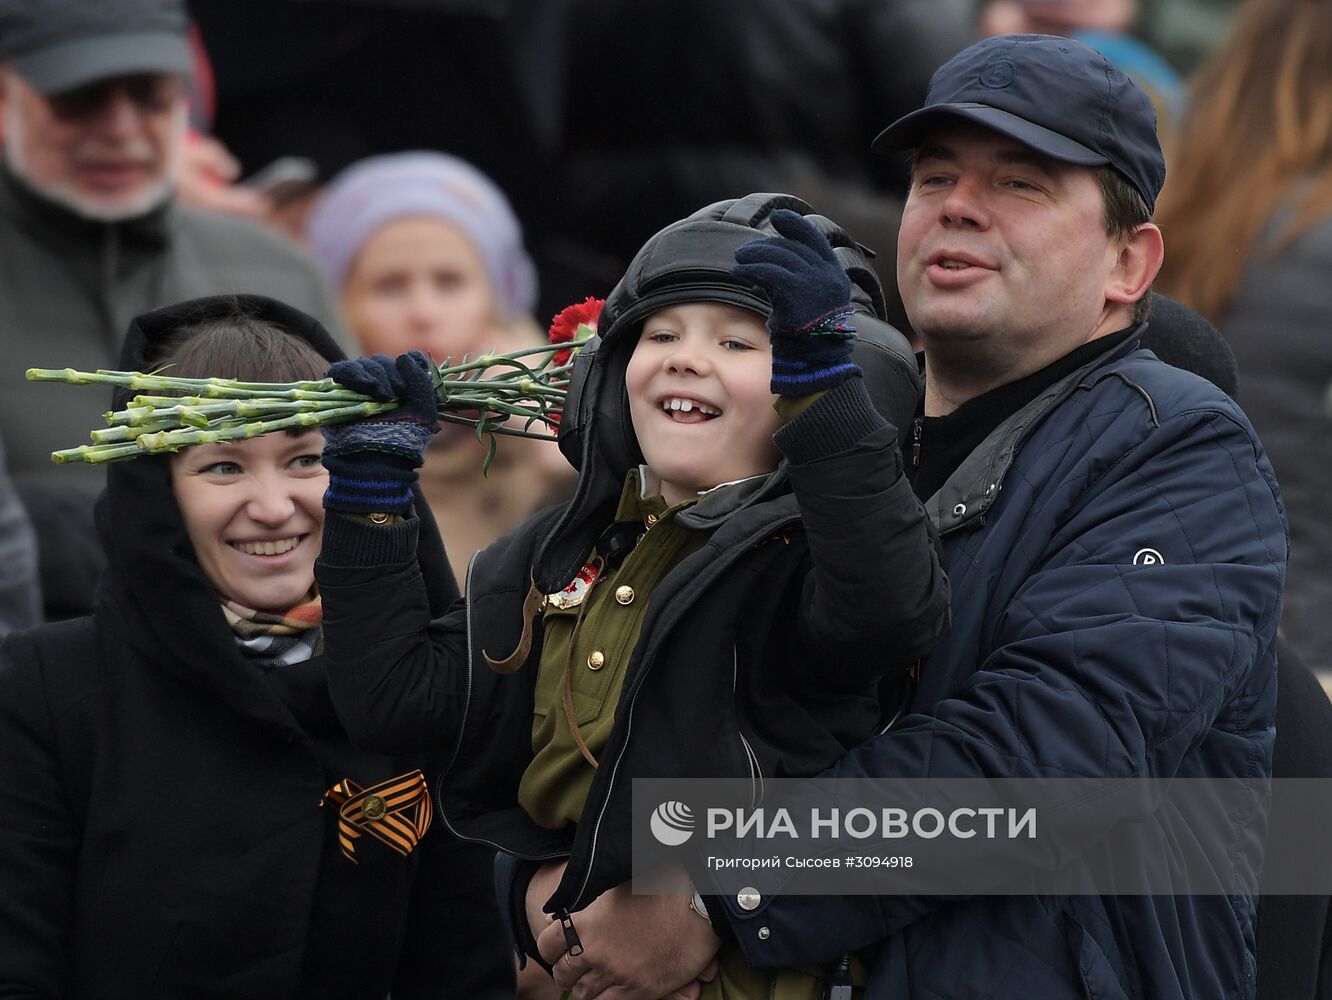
738, 587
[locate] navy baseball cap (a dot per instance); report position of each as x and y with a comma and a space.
1053, 94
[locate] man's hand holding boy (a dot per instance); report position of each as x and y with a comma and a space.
614, 962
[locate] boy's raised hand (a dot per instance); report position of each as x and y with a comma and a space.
405, 378
811, 305
372, 463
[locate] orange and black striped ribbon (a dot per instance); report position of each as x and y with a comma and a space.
395, 812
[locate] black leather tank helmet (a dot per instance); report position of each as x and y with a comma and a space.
691, 261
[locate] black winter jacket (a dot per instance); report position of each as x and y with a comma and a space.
163, 834
761, 653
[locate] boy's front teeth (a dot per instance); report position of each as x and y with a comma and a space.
688, 405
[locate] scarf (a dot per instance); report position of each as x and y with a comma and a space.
278, 639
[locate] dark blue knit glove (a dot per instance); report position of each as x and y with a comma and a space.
372, 463
811, 305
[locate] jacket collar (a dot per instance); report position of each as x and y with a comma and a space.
971, 490
57, 225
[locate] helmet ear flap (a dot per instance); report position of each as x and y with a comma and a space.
576, 417
592, 422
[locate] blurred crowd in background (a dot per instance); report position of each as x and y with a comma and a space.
446, 174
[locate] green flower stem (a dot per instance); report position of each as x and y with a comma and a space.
127, 432
96, 454
202, 414
208, 388
503, 429
169, 413
174, 440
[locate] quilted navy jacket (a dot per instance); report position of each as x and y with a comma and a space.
1076, 652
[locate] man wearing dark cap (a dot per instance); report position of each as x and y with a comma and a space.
1116, 548
93, 98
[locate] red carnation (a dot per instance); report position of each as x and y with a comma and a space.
564, 328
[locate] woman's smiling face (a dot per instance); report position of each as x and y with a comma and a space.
699, 397
254, 513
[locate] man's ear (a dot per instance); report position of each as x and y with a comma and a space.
1140, 257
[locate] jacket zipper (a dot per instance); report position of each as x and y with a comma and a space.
996, 475
893, 721
917, 428
755, 772
462, 726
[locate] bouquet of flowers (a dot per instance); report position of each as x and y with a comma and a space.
486, 393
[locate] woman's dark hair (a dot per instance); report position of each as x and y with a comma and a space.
240, 347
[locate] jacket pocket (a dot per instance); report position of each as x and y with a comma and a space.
589, 686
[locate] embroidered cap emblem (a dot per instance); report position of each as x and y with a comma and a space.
998, 74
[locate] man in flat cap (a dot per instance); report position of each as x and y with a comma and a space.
93, 98
1116, 547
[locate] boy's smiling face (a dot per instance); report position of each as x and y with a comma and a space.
699, 397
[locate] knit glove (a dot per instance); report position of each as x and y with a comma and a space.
811, 305
372, 463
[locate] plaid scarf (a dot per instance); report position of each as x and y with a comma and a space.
278, 639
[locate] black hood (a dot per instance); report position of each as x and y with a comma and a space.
147, 332
153, 595
691, 261
155, 598
137, 517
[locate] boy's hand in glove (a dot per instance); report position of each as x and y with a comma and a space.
372, 463
811, 305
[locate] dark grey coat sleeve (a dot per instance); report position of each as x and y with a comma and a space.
20, 603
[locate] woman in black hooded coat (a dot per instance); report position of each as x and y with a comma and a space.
166, 829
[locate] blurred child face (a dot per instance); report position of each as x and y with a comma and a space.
699, 398
254, 513
419, 284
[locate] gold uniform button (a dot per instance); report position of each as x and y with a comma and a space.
372, 807
651, 520
624, 595
596, 660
